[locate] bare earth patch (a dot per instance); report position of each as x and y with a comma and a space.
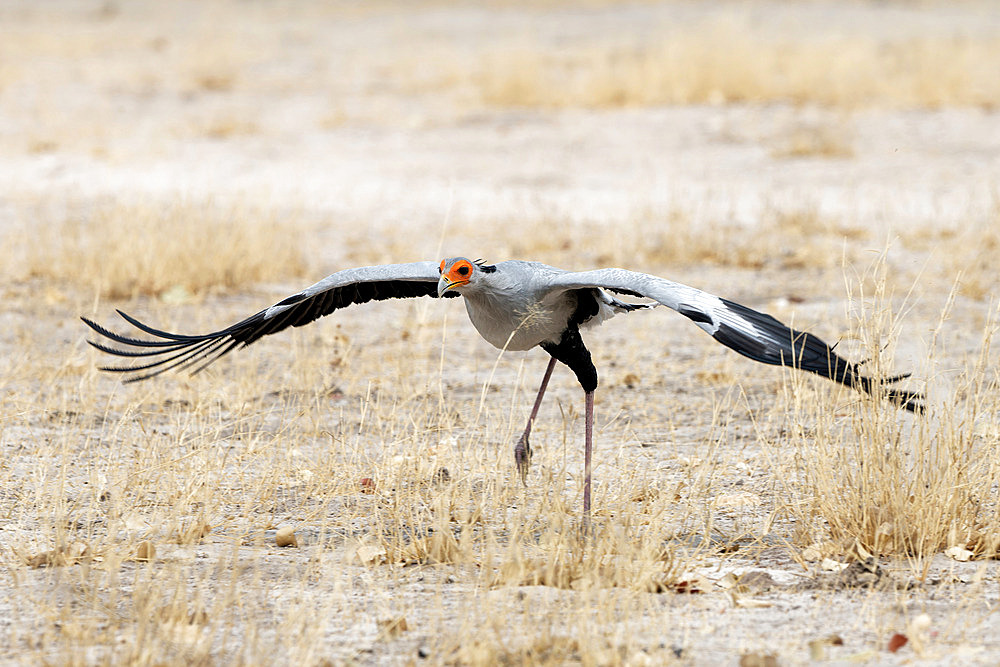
346, 493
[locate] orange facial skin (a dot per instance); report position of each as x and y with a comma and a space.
459, 274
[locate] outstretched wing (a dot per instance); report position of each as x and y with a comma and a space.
749, 332
338, 290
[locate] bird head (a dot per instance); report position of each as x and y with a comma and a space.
456, 273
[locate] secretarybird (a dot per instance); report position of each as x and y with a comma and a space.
515, 305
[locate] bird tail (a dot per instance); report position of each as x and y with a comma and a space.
780, 345
850, 375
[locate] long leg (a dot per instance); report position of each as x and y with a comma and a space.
522, 450
588, 448
571, 351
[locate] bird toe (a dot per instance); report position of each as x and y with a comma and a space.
522, 458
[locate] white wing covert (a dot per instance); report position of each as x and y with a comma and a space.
751, 333
338, 290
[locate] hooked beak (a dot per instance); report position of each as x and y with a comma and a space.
444, 285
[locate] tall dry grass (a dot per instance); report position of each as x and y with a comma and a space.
865, 479
178, 250
732, 61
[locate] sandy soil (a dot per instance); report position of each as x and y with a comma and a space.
316, 128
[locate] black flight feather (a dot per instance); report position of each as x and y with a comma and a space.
179, 351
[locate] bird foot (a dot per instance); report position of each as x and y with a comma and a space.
522, 458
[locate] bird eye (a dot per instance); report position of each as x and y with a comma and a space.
463, 270
441, 267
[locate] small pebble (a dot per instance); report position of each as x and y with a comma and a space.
285, 537
145, 551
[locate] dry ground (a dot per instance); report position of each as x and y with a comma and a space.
834, 164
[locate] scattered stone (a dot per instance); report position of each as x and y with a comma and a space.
285, 537
921, 623
692, 584
830, 565
369, 555
756, 581
145, 551
812, 554
817, 647
959, 553
758, 660
861, 574
817, 650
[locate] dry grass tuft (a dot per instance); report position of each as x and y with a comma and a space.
547, 649
617, 557
895, 485
174, 252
